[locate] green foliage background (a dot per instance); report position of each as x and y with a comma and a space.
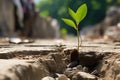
59, 8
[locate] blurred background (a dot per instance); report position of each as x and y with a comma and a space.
42, 18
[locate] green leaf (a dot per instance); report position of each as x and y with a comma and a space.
69, 22
81, 13
72, 13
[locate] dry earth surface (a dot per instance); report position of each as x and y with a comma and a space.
98, 60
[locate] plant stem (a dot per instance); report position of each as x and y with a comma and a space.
78, 38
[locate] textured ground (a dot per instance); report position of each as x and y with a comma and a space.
19, 61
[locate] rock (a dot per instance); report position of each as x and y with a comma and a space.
69, 72
62, 77
79, 67
72, 64
83, 76
85, 69
95, 72
48, 78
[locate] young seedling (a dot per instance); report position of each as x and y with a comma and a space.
77, 16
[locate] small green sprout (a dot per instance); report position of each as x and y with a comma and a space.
77, 16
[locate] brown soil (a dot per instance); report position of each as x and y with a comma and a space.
101, 58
